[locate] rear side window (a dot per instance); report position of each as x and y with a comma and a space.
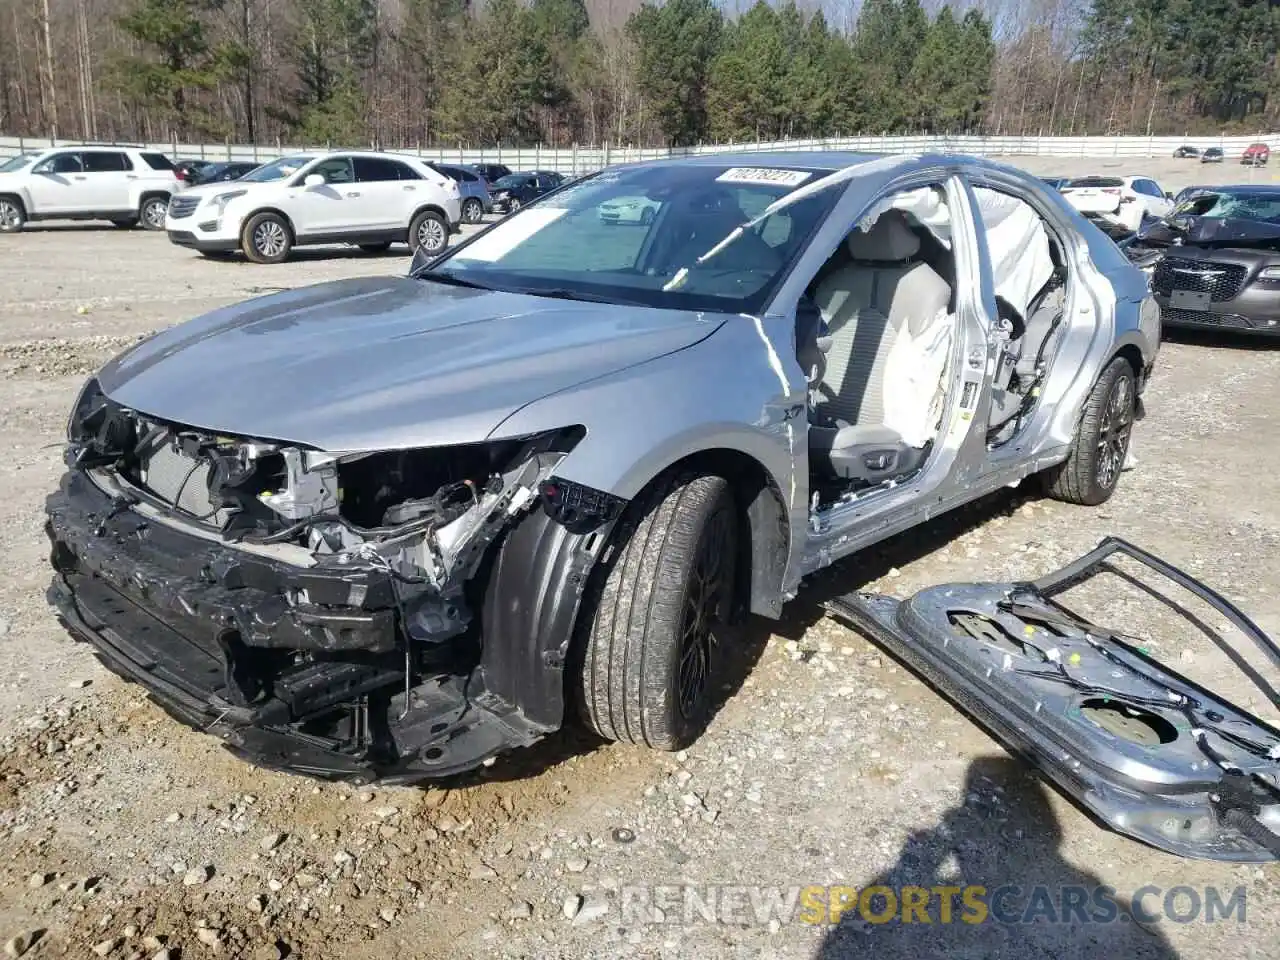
457, 173
1096, 182
378, 170
157, 161
103, 161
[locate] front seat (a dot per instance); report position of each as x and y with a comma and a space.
885, 314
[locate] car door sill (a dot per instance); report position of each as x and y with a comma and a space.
1147, 751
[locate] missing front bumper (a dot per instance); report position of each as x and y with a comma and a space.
1149, 752
318, 689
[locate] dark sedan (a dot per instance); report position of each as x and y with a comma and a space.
222, 172
1221, 266
490, 172
1186, 151
513, 191
1212, 155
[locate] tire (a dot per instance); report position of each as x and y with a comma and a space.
125, 223
13, 216
429, 231
376, 247
647, 672
151, 212
472, 210
1091, 471
266, 238
514, 205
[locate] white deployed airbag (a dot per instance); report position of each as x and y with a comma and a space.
1019, 247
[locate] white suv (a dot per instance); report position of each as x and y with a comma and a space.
120, 184
1122, 203
369, 199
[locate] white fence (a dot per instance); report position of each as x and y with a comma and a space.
575, 160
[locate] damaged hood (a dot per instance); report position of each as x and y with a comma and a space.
382, 363
1214, 232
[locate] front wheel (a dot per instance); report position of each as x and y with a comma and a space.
472, 211
1092, 469
513, 206
428, 232
152, 212
266, 238
12, 215
652, 650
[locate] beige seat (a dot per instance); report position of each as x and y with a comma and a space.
881, 309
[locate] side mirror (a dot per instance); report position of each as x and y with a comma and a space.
313, 180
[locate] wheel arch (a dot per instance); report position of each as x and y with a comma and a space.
288, 221
152, 193
17, 197
533, 612
432, 208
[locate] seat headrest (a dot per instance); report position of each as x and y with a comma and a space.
889, 240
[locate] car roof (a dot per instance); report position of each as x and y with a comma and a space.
815, 159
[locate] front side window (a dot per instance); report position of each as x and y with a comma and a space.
334, 170
62, 163
695, 237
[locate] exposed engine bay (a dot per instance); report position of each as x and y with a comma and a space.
333, 594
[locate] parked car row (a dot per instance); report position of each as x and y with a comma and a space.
1256, 154
264, 210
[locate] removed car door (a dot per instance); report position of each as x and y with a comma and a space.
1151, 753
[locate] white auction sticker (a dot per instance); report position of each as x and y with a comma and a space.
764, 175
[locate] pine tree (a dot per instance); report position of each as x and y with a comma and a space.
178, 59
676, 43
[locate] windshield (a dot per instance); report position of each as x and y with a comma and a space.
277, 169
697, 237
511, 180
1238, 205
17, 163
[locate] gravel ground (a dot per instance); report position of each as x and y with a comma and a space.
123, 834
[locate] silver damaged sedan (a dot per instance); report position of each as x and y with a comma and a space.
388, 528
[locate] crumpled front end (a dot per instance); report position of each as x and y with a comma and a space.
313, 609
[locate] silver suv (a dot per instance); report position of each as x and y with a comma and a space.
124, 185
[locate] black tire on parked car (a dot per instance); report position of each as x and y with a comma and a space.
152, 210
376, 247
662, 607
13, 215
125, 223
513, 205
266, 238
428, 231
1091, 471
472, 210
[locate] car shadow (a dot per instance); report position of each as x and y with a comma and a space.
854, 572
741, 650
1225, 338
1003, 837
92, 226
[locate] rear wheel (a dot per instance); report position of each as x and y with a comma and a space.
472, 211
652, 651
1091, 471
12, 215
152, 212
266, 238
428, 232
